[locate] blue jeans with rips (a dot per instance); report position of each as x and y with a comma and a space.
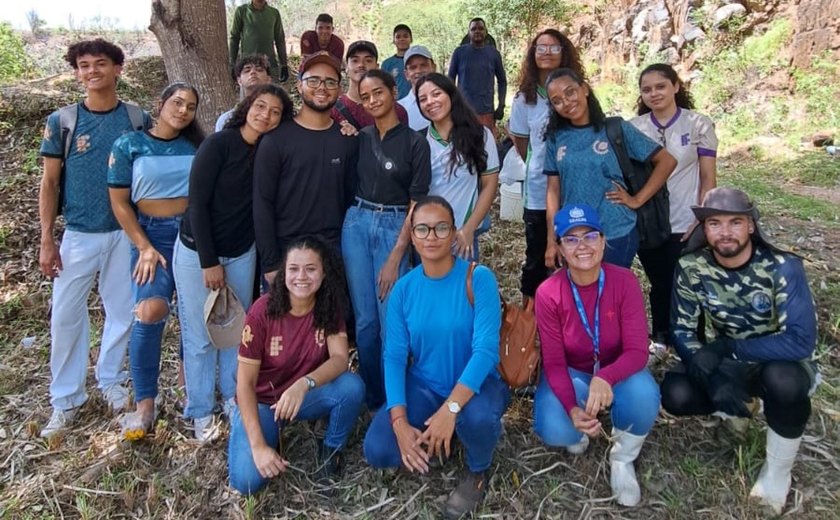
144, 345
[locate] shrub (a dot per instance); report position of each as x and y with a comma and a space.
13, 61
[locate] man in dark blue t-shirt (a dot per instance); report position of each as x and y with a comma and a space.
474, 66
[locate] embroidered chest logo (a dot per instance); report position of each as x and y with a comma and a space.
761, 302
685, 139
82, 143
320, 338
561, 152
276, 346
246, 335
389, 165
335, 161
600, 147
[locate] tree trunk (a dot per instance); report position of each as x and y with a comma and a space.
193, 41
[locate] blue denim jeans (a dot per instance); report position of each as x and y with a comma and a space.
339, 400
478, 425
201, 358
367, 238
145, 342
622, 250
634, 409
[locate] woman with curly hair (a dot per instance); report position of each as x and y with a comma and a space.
216, 246
293, 366
465, 162
549, 50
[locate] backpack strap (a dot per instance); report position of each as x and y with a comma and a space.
615, 135
67, 118
136, 115
470, 295
345, 113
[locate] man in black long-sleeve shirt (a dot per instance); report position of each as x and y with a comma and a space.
305, 170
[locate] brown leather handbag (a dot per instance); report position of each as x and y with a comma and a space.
519, 357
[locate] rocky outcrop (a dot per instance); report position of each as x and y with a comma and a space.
816, 30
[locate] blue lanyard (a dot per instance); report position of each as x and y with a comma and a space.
596, 336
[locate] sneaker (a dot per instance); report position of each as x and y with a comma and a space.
206, 429
117, 397
466, 498
59, 420
580, 447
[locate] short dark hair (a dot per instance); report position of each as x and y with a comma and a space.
324, 17
96, 47
386, 78
477, 19
403, 27
258, 59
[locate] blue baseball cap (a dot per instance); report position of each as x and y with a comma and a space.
574, 215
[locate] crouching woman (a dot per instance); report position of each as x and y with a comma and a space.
593, 332
293, 366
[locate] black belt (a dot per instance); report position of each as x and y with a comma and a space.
362, 203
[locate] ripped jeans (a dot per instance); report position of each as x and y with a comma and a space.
144, 346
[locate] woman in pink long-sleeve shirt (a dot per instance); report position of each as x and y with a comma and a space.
593, 332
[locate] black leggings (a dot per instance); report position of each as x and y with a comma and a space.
659, 265
534, 271
782, 385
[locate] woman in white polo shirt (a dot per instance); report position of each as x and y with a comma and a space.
665, 115
465, 161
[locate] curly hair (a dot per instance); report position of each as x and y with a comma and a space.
529, 74
467, 135
596, 114
257, 59
96, 47
240, 112
329, 299
192, 132
683, 97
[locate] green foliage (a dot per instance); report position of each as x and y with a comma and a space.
14, 64
434, 23
818, 87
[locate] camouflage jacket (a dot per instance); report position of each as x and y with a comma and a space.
765, 305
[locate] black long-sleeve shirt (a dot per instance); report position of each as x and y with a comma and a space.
219, 220
395, 169
303, 182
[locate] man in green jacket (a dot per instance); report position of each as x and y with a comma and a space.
258, 28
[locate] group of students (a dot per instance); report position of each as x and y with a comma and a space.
331, 209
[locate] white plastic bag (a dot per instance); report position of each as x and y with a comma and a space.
513, 168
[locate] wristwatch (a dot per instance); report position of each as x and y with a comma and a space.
454, 406
310, 383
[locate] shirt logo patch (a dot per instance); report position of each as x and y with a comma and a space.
600, 147
82, 143
335, 161
576, 212
761, 302
246, 335
561, 152
276, 346
685, 139
320, 338
389, 165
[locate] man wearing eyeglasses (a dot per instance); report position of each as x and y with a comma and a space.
305, 170
474, 66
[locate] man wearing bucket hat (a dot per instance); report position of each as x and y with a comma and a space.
756, 298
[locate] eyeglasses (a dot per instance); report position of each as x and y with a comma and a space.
441, 230
573, 241
317, 81
548, 49
567, 96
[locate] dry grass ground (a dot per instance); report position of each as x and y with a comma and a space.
689, 468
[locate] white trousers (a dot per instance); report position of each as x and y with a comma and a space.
83, 255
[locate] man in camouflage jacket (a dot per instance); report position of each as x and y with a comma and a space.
760, 333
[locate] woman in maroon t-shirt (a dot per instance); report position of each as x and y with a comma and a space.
293, 365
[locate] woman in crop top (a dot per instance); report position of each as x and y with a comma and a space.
394, 172
148, 177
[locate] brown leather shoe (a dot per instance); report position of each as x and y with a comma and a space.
465, 498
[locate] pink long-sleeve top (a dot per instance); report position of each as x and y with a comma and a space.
563, 339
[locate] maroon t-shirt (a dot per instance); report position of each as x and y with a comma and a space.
309, 45
285, 349
360, 114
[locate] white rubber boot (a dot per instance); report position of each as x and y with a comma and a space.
773, 482
625, 450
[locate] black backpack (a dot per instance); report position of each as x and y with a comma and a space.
653, 219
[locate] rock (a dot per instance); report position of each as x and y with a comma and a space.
692, 33
640, 23
821, 139
727, 12
671, 56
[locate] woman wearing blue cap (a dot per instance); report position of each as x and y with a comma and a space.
593, 332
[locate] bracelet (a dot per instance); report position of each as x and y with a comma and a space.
395, 419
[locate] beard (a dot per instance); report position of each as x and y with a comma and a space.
309, 101
730, 248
